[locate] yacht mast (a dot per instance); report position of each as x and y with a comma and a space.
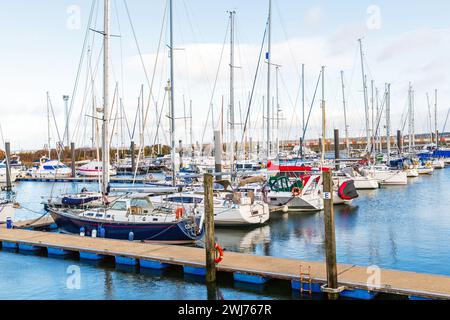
435, 118
366, 103
232, 133
347, 141
430, 125
269, 65
48, 127
388, 121
324, 129
105, 138
172, 98
409, 119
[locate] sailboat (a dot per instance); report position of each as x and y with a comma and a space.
132, 217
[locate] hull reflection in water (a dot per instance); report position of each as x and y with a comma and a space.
243, 240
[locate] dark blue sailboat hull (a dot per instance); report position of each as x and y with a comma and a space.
176, 232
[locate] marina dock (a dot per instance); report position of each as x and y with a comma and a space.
119, 180
245, 268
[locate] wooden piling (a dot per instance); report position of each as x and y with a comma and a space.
133, 159
72, 149
301, 148
399, 142
8, 166
210, 240
337, 155
330, 238
218, 152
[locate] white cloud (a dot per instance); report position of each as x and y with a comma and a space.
313, 16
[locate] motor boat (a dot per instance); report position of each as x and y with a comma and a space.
47, 168
94, 169
15, 172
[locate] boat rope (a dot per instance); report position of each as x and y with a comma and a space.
210, 110
258, 66
33, 221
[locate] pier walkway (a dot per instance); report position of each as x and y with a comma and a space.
243, 266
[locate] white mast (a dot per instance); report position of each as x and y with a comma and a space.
366, 103
277, 68
172, 98
430, 125
324, 128
48, 127
347, 141
233, 151
269, 65
388, 121
105, 142
435, 118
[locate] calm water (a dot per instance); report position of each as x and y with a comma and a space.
405, 228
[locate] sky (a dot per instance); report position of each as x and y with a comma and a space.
42, 42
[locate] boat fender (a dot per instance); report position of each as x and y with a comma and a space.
285, 209
131, 236
219, 253
94, 233
296, 192
82, 232
347, 191
179, 213
102, 232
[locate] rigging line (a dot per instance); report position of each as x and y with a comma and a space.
138, 111
153, 79
254, 81
1, 134
283, 82
138, 48
311, 107
121, 49
215, 83
160, 118
72, 100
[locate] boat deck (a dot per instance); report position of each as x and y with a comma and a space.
352, 277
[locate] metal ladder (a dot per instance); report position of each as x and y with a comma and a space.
305, 278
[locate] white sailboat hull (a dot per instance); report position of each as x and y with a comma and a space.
391, 177
305, 203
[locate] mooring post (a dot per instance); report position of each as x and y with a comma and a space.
133, 159
330, 239
210, 240
72, 149
399, 142
301, 148
180, 142
337, 155
8, 166
218, 152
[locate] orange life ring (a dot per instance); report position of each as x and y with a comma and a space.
179, 213
296, 191
219, 253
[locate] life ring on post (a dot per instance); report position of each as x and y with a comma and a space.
179, 213
296, 192
219, 254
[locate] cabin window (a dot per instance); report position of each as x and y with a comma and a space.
119, 205
99, 215
90, 214
141, 203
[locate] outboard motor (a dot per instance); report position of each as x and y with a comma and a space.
347, 191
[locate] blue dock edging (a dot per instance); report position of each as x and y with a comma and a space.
249, 278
